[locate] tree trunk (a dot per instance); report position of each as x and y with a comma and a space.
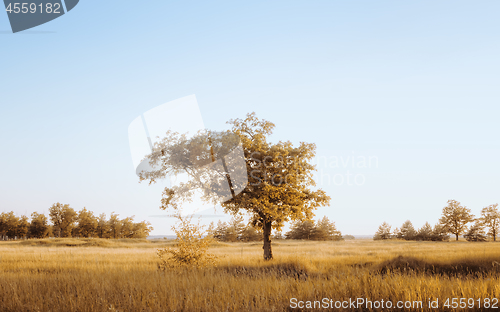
268, 253
456, 236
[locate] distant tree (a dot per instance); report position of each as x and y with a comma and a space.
22, 227
114, 225
425, 232
12, 226
11, 223
142, 229
229, 231
476, 233
231, 235
383, 232
250, 234
87, 224
219, 231
396, 233
127, 227
326, 230
3, 227
278, 235
39, 227
102, 226
490, 217
234, 228
407, 231
308, 229
237, 222
348, 237
301, 230
63, 218
440, 233
456, 217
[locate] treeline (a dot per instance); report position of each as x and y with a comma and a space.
64, 221
455, 220
236, 230
408, 232
320, 230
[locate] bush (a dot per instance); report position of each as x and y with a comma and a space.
191, 248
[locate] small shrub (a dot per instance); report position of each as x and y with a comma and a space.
191, 250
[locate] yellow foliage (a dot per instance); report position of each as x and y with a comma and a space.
191, 249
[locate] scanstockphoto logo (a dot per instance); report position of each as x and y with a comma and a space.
28, 14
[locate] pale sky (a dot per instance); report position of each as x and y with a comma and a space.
413, 85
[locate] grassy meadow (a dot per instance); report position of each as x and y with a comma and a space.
122, 275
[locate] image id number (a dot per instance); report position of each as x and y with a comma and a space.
33, 8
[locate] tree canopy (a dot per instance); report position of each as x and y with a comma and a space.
490, 217
67, 221
383, 232
320, 230
455, 218
407, 231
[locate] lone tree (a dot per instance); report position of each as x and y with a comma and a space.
490, 217
279, 187
455, 218
279, 180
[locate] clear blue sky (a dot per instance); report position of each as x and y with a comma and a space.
414, 84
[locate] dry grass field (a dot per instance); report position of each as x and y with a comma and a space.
122, 275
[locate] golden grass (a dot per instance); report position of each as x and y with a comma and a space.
108, 275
